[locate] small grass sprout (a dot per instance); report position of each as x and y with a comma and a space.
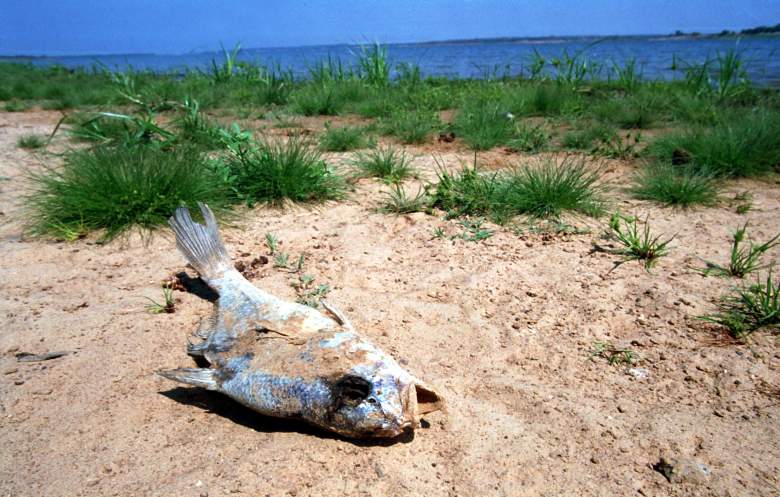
168, 305
474, 230
613, 355
272, 242
636, 245
749, 308
743, 201
308, 293
745, 259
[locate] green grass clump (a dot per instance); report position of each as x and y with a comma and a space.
275, 171
675, 186
748, 309
388, 163
543, 191
31, 142
638, 112
398, 201
554, 100
737, 146
555, 187
635, 245
530, 138
16, 106
743, 260
483, 125
197, 128
410, 126
115, 188
318, 100
586, 136
343, 139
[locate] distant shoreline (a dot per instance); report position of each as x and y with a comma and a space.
530, 40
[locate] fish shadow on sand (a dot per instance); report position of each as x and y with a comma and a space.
220, 405
197, 287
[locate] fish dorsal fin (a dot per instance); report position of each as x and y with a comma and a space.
201, 245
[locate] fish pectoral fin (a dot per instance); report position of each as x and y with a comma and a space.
199, 377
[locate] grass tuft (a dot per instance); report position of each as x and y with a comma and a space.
543, 191
483, 125
398, 201
530, 138
387, 163
635, 245
748, 309
743, 260
275, 171
31, 142
675, 186
115, 188
737, 146
344, 139
410, 126
167, 306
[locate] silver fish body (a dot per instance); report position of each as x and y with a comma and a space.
288, 360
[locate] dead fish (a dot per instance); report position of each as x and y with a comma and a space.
288, 360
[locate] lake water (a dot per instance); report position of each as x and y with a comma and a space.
653, 55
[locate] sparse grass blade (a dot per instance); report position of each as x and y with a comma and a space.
744, 259
675, 186
374, 65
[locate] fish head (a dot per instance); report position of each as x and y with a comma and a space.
380, 400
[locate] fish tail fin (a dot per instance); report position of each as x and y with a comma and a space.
199, 377
201, 245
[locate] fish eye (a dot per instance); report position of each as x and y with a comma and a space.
351, 390
371, 400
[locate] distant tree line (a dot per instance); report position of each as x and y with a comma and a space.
758, 30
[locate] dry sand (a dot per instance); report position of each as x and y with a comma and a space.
504, 328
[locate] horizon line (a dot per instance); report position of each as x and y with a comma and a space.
401, 43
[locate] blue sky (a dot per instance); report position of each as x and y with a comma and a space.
63, 27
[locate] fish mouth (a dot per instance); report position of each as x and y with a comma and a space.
395, 431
